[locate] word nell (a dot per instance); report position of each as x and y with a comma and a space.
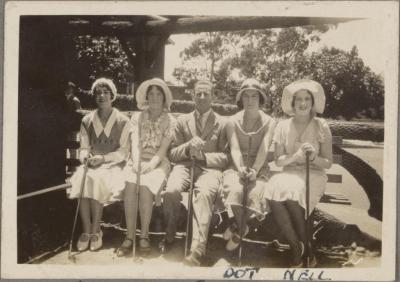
304, 275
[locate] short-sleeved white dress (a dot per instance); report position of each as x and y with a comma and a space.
106, 182
152, 133
290, 183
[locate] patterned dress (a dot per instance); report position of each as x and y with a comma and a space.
290, 183
232, 184
106, 182
152, 134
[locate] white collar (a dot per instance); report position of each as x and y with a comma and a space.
98, 127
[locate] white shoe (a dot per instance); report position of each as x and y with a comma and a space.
83, 242
96, 241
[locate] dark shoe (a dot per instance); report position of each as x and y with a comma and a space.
312, 261
165, 246
144, 245
234, 241
194, 259
125, 248
229, 232
299, 264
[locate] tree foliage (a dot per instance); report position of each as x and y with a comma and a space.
352, 89
100, 56
209, 49
280, 56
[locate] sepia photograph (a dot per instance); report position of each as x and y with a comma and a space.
200, 140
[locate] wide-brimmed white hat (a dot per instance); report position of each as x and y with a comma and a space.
303, 84
107, 82
142, 91
251, 84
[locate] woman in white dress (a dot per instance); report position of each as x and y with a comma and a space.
155, 126
303, 132
104, 149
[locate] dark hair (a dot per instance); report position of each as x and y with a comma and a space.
309, 92
261, 100
157, 87
101, 84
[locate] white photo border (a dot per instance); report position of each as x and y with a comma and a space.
386, 10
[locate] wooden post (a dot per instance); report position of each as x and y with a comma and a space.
156, 55
140, 71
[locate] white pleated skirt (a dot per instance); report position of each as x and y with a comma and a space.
291, 185
104, 184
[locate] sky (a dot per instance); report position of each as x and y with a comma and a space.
366, 34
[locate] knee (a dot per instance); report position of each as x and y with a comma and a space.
204, 195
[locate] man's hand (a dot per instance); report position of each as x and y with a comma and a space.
197, 143
197, 154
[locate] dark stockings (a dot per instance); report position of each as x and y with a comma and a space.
283, 217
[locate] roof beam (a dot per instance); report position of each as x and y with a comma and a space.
192, 24
213, 23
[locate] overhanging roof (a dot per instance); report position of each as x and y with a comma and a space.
167, 25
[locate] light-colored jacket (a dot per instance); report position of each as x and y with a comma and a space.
213, 134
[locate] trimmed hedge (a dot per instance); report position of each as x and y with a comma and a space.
128, 103
371, 131
367, 131
188, 106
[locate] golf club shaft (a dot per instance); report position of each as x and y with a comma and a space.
85, 168
136, 199
307, 247
190, 209
244, 200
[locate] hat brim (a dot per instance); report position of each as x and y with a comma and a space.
314, 87
142, 90
239, 94
107, 82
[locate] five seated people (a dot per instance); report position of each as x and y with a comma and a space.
229, 157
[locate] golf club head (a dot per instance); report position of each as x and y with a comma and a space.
71, 258
138, 260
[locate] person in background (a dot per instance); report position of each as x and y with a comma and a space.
73, 102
